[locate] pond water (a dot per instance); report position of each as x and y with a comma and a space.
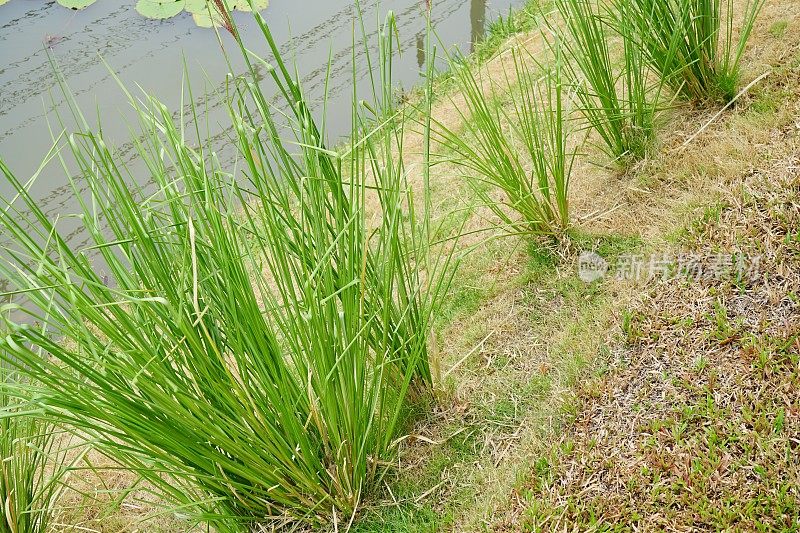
151, 53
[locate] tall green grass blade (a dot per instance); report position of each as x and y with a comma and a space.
692, 45
616, 99
520, 147
255, 350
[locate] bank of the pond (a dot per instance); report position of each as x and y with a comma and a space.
545, 424
534, 360
104, 497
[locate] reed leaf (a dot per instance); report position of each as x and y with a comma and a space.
692, 45
518, 147
256, 348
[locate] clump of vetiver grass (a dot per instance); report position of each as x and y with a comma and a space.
616, 98
692, 45
31, 463
254, 351
519, 147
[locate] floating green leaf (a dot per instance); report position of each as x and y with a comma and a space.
75, 4
204, 12
206, 15
207, 19
202, 6
243, 5
197, 6
155, 9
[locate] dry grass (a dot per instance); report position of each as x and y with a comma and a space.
697, 425
514, 392
104, 498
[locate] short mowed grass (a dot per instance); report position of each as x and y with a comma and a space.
696, 424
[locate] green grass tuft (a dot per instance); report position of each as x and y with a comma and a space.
617, 101
255, 349
31, 464
693, 45
519, 149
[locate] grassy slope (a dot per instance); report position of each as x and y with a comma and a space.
525, 344
698, 422
534, 345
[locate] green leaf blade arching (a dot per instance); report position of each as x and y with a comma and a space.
155, 9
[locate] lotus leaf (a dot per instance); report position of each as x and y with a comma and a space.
204, 19
156, 9
76, 4
196, 6
204, 12
243, 5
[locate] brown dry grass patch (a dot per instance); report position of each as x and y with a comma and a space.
698, 424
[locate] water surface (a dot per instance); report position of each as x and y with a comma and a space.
151, 53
